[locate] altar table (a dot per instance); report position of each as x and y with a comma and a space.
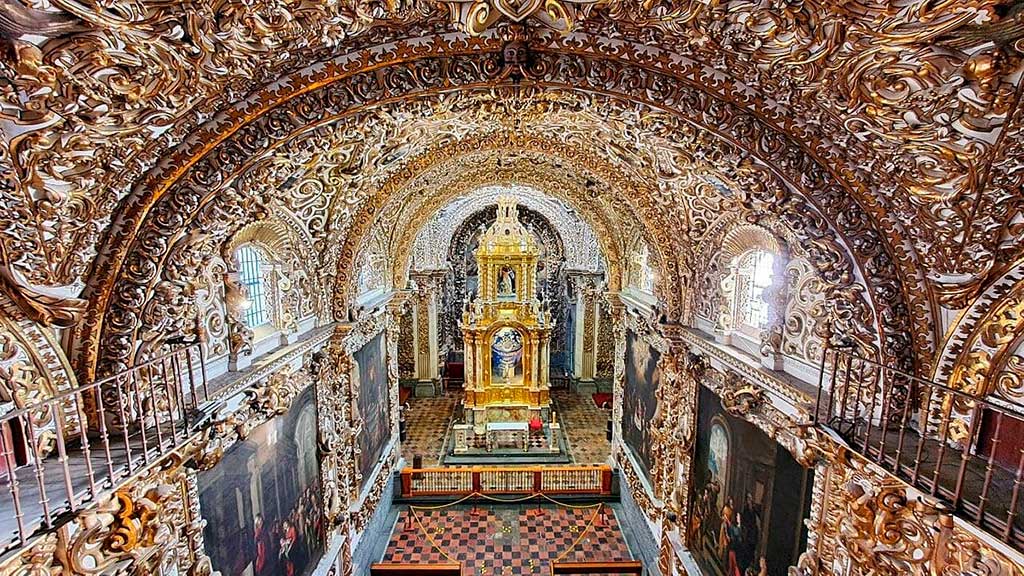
508, 433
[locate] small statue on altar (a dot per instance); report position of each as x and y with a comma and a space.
507, 283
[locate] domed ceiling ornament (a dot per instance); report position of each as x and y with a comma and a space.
476, 16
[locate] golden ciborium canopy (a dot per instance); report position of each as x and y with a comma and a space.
506, 330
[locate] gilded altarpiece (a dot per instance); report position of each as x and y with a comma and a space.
506, 332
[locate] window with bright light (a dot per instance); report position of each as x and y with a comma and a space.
754, 278
251, 262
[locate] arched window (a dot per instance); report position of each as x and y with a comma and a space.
251, 262
753, 278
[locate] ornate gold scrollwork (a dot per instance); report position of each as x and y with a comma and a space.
151, 525
741, 398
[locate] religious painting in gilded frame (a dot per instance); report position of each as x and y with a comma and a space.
371, 382
749, 497
262, 502
639, 402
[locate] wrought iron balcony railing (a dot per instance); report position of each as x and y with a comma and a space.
965, 449
59, 454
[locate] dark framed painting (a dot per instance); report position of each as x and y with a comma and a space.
262, 503
372, 383
639, 402
749, 497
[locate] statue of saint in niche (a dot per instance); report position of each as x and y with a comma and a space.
507, 282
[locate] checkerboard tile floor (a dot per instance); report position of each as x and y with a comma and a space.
581, 420
584, 424
427, 420
502, 539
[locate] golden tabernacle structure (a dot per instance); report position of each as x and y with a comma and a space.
507, 332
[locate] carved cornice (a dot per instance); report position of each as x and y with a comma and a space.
748, 370
254, 376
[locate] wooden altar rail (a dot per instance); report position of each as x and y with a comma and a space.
626, 567
389, 569
580, 480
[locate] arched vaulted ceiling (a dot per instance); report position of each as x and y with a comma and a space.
136, 131
433, 243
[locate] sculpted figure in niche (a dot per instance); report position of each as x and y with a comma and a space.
507, 282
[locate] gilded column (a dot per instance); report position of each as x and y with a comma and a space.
396, 308
674, 425
470, 360
336, 430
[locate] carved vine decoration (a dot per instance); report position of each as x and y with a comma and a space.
32, 369
828, 55
953, 155
876, 525
432, 243
984, 354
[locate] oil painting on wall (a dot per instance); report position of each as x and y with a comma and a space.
638, 405
262, 502
372, 382
749, 497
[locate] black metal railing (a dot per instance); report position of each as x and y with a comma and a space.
963, 448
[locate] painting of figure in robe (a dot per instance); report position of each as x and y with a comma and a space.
373, 402
262, 503
749, 497
642, 379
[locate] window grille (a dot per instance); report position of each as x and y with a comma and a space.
250, 275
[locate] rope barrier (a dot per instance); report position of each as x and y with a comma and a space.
431, 540
576, 542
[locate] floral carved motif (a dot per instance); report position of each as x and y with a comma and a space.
666, 271
876, 525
